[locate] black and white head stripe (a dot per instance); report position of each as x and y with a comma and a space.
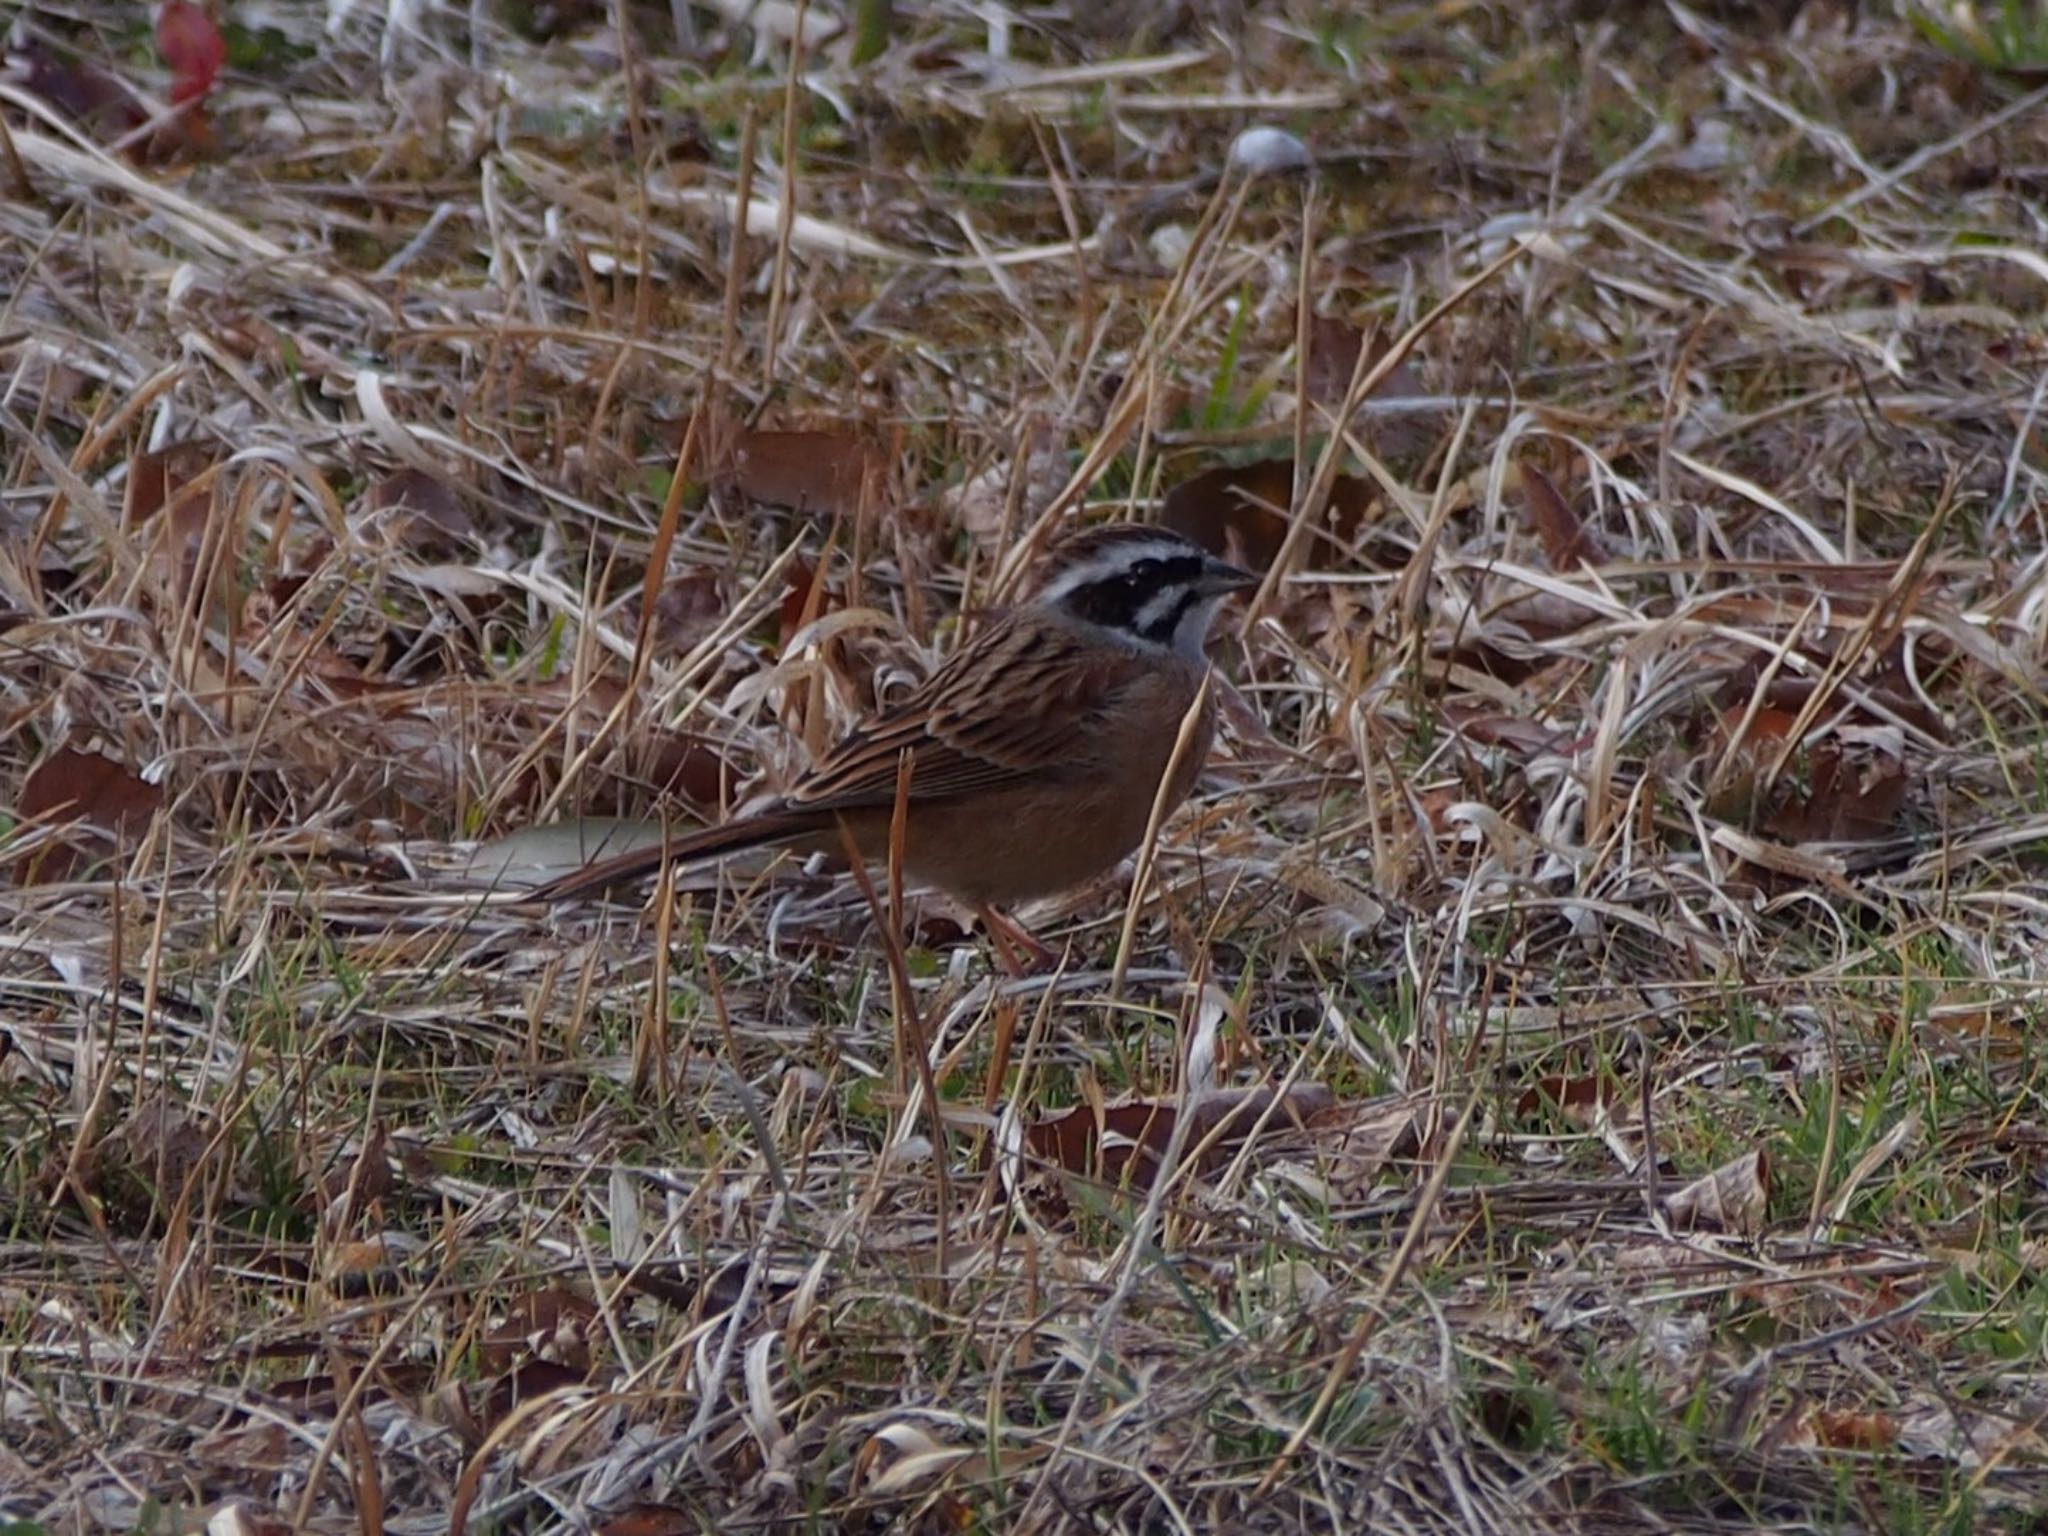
1146, 583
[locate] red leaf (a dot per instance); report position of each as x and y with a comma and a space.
193, 48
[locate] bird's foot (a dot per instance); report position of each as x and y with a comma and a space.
1018, 951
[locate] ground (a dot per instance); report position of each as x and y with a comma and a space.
1570, 1068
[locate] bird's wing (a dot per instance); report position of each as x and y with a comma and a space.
1005, 708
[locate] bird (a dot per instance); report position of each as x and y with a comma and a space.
1036, 751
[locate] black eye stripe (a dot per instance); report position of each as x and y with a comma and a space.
1129, 599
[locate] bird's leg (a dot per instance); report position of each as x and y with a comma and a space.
1003, 932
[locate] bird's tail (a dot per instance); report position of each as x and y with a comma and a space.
766, 829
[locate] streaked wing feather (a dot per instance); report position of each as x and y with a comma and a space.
959, 743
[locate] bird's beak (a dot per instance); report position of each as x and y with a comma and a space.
1221, 576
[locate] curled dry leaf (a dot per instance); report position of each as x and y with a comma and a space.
1134, 1135
107, 803
902, 1459
552, 1324
1334, 345
1733, 1198
803, 600
1333, 348
1516, 734
689, 609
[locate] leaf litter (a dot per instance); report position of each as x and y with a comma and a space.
1623, 875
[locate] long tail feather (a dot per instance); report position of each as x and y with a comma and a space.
760, 831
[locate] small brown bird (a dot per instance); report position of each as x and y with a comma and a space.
1036, 750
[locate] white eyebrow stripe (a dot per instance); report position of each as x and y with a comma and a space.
1113, 561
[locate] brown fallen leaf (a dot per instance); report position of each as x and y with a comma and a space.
159, 478
1240, 511
903, 1459
143, 1168
826, 472
166, 483
91, 97
1334, 345
1333, 348
1567, 543
106, 803
1578, 1099
1836, 1430
550, 1323
421, 508
367, 1268
1134, 1135
651, 1520
803, 600
1844, 802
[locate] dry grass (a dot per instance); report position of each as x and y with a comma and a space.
1638, 886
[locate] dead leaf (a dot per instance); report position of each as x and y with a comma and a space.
1830, 1429
142, 1170
902, 1459
91, 97
1134, 1134
1844, 803
167, 483
1240, 511
421, 508
827, 472
1567, 543
803, 601
159, 477
689, 768
1333, 348
1578, 1099
1733, 1198
691, 606
474, 1409
651, 1520
368, 1268
109, 804
1519, 735
552, 1323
